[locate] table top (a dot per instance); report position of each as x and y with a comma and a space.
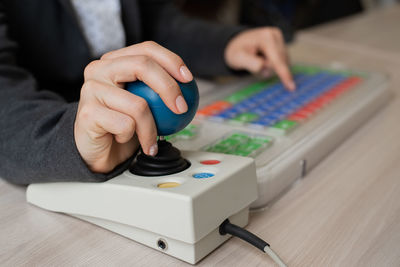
346, 212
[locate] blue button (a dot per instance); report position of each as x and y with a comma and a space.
201, 175
260, 111
264, 122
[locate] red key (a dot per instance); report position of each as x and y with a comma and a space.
214, 108
297, 117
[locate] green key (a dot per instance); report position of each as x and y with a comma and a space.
241, 144
261, 140
249, 147
285, 125
248, 91
235, 98
240, 137
229, 142
254, 88
188, 132
246, 117
305, 69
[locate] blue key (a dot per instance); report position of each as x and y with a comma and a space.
259, 111
240, 108
225, 116
270, 117
236, 109
202, 175
258, 123
263, 122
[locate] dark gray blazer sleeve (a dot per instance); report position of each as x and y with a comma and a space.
201, 44
36, 127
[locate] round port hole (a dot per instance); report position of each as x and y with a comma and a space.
162, 244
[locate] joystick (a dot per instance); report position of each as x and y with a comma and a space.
168, 159
166, 121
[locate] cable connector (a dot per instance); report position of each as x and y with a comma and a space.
228, 228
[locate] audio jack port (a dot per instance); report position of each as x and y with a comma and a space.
162, 244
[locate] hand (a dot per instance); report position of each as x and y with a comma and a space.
111, 122
260, 51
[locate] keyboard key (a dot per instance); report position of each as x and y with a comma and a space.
241, 144
246, 117
285, 126
189, 132
261, 140
219, 149
229, 142
297, 117
214, 108
242, 138
247, 149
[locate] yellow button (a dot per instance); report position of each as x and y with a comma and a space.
168, 185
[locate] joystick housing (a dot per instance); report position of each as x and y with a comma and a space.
177, 214
178, 207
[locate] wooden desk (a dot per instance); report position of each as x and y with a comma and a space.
346, 212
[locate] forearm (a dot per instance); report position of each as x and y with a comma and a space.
36, 128
37, 140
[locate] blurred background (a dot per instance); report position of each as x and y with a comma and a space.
289, 15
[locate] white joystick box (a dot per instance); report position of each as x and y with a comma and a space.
177, 214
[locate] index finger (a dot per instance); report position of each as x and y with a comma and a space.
131, 68
170, 61
279, 63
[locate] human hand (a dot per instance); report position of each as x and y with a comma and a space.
110, 121
260, 50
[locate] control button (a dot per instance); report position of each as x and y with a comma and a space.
240, 144
210, 162
168, 185
284, 126
202, 175
246, 117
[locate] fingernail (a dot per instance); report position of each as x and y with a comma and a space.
153, 150
186, 74
292, 86
181, 104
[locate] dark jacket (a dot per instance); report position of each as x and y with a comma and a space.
42, 57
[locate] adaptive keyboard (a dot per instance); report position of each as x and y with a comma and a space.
269, 104
286, 132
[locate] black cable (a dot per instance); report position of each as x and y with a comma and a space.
228, 228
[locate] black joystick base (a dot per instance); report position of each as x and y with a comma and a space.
167, 161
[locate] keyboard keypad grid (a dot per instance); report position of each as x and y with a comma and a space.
267, 104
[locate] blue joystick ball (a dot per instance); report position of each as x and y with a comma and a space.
166, 121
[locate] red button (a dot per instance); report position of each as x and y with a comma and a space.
297, 117
210, 162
